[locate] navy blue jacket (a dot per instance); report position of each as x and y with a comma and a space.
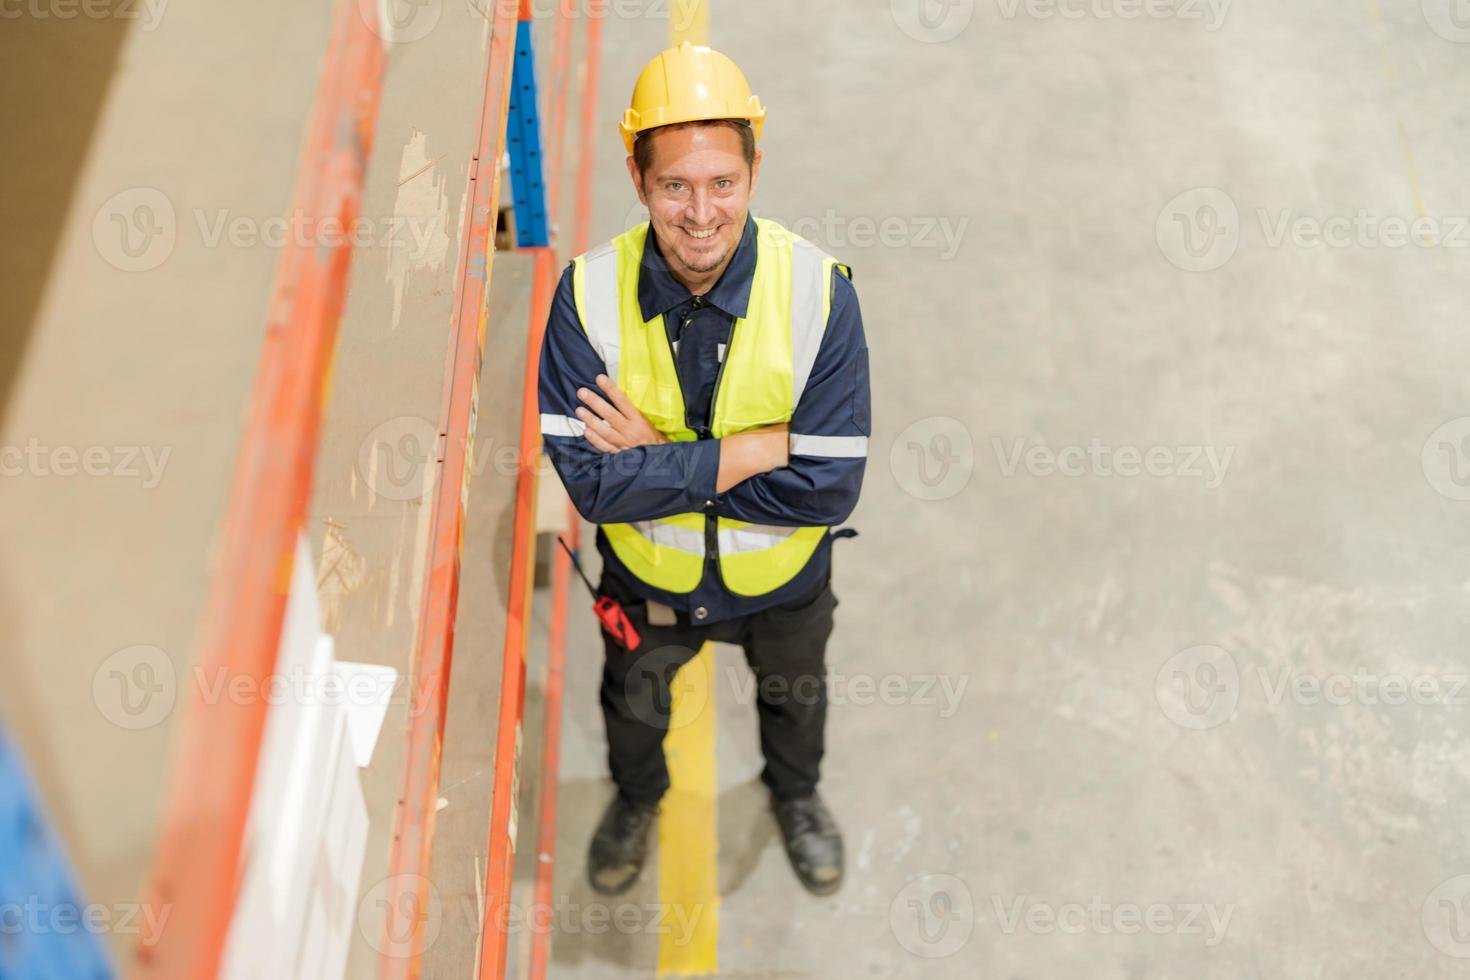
650, 482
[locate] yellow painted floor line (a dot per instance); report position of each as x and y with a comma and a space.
1413, 170
1409, 165
688, 836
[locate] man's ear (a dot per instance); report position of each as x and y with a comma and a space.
755, 171
637, 180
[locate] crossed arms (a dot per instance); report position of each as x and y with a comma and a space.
614, 424
617, 467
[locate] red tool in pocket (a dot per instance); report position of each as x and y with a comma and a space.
607, 610
616, 622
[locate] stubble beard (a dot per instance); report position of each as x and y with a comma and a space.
706, 267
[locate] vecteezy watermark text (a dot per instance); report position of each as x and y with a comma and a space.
835, 231
138, 228
1201, 229
1101, 917
1365, 687
934, 915
673, 919
944, 691
1201, 687
138, 686
1097, 459
148, 13
36, 459
35, 916
1362, 229
1211, 12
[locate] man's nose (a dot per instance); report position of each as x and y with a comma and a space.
702, 208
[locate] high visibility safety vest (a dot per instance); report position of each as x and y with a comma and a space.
767, 363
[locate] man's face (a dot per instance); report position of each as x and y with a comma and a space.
697, 190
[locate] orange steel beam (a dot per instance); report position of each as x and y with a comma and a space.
413, 824
197, 869
504, 799
589, 136
550, 757
562, 564
556, 115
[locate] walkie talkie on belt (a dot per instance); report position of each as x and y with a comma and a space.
605, 608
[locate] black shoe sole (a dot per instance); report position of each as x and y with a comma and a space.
820, 888
823, 888
614, 890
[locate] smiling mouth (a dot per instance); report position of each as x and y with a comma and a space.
700, 235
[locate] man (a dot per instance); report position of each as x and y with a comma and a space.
704, 397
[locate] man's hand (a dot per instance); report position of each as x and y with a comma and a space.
614, 423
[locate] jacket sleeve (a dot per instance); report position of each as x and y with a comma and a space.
829, 434
607, 488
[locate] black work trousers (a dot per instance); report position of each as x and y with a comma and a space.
785, 647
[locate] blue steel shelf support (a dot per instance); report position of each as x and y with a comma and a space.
523, 143
45, 930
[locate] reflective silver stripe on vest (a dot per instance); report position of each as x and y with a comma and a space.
604, 306
808, 299
671, 536
757, 537
561, 425
845, 447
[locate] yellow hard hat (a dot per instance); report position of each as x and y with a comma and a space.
687, 83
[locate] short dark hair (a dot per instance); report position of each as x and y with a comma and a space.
643, 146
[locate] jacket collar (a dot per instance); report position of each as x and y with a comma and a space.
659, 291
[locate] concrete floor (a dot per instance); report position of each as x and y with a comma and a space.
1102, 754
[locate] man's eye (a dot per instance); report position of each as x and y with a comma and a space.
724, 184
674, 186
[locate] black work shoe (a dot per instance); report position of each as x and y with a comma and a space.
619, 846
813, 842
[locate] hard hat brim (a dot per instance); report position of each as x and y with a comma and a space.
634, 124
